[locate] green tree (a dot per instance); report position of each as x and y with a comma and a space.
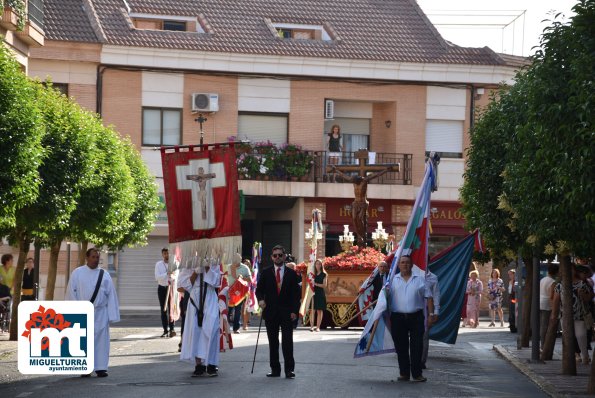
547, 183
21, 133
66, 171
484, 206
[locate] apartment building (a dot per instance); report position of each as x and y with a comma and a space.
284, 72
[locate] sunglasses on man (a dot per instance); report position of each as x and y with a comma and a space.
277, 255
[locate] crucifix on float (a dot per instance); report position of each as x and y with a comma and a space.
359, 207
193, 177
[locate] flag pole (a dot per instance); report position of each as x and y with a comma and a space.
372, 336
356, 315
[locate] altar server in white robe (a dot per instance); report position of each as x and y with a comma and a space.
81, 287
200, 343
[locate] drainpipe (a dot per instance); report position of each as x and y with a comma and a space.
99, 88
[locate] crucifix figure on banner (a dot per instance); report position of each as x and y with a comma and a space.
201, 185
202, 179
359, 207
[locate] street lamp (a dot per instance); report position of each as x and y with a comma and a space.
379, 237
346, 239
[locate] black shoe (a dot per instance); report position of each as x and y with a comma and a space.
290, 375
165, 334
274, 374
86, 375
212, 371
420, 379
101, 373
403, 378
199, 370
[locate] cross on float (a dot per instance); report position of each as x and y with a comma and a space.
359, 207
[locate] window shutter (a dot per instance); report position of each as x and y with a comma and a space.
444, 136
257, 128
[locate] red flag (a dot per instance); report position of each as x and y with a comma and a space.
238, 292
202, 199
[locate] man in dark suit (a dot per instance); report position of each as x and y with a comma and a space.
278, 294
379, 279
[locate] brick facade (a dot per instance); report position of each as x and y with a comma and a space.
122, 102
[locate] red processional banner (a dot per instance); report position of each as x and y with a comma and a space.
201, 195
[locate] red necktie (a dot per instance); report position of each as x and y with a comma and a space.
278, 280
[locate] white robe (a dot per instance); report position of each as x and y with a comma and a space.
81, 287
201, 342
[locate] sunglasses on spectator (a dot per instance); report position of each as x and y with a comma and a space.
276, 255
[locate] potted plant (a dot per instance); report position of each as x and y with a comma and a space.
248, 165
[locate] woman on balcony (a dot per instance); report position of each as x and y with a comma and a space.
334, 146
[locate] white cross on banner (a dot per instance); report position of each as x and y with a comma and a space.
201, 196
202, 199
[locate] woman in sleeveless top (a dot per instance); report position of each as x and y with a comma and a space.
334, 146
320, 282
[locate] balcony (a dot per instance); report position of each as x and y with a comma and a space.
272, 164
26, 18
10, 18
32, 32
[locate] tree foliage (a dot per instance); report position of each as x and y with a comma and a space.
21, 132
487, 157
103, 212
550, 184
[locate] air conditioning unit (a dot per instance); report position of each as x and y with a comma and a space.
205, 102
329, 109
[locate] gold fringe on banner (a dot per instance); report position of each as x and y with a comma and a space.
194, 253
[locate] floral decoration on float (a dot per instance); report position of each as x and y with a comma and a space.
355, 259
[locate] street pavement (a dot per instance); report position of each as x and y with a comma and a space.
144, 365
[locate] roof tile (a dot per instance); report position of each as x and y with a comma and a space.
375, 30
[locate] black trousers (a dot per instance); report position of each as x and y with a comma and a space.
183, 307
512, 317
273, 324
407, 331
162, 294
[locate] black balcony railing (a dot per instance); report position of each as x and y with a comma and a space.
402, 177
36, 12
318, 171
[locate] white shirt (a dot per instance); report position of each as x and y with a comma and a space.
409, 296
432, 282
544, 293
161, 276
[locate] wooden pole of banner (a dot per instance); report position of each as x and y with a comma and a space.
372, 335
356, 315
